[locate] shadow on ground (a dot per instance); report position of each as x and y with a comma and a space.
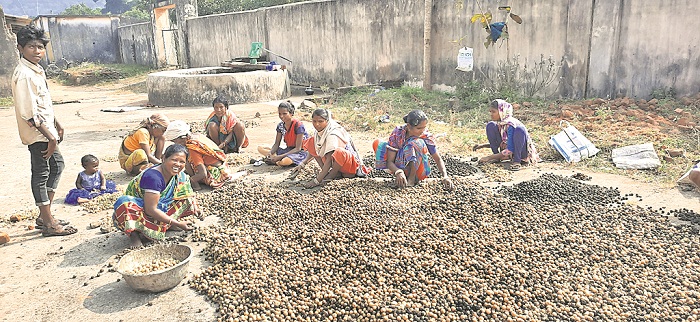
116, 297
95, 251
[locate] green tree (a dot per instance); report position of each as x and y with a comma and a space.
209, 7
81, 10
140, 9
116, 7
140, 5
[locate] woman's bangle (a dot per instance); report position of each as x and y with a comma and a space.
316, 181
170, 223
396, 173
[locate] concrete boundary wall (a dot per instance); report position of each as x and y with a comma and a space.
136, 44
10, 57
81, 38
608, 47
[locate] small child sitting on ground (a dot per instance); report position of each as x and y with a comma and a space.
90, 183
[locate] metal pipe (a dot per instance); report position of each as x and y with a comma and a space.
276, 54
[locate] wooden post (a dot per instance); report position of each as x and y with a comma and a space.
428, 20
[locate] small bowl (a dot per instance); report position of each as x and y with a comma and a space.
309, 91
156, 281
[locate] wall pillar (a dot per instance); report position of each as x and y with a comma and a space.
169, 20
185, 9
10, 55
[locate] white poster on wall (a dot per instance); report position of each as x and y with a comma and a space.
465, 59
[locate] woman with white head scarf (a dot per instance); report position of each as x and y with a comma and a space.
333, 149
508, 138
206, 162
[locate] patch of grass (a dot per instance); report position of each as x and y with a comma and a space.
663, 93
92, 73
367, 105
122, 69
462, 124
6, 102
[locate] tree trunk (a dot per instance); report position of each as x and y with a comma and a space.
427, 23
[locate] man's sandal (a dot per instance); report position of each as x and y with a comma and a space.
58, 230
40, 223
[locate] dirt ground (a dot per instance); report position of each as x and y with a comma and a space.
68, 278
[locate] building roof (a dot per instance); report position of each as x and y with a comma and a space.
16, 22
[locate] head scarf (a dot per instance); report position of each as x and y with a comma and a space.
176, 129
159, 119
156, 118
505, 111
326, 140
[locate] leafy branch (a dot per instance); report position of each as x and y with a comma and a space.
496, 30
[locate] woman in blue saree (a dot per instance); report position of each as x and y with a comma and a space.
156, 200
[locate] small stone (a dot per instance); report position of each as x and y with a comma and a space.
307, 105
675, 152
4, 238
687, 101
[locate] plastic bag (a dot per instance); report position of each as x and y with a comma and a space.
571, 144
465, 59
641, 156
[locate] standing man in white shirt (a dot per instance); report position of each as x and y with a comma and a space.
38, 127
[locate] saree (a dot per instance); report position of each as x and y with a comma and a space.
217, 176
331, 138
176, 201
334, 138
408, 149
226, 124
137, 157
